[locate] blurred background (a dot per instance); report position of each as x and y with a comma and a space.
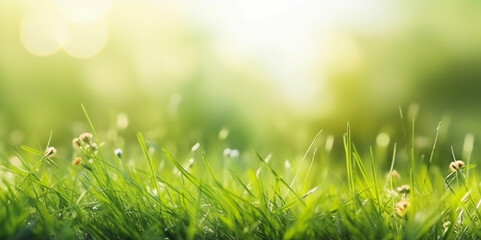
263, 75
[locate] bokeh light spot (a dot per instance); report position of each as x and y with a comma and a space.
82, 11
86, 39
382, 139
41, 34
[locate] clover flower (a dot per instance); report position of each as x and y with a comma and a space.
86, 137
456, 165
76, 142
401, 207
404, 189
50, 152
393, 175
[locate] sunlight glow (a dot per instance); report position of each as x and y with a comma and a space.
70, 25
342, 53
81, 11
86, 39
40, 33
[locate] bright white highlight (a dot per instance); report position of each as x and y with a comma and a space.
82, 11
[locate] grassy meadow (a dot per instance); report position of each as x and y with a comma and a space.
143, 191
246, 119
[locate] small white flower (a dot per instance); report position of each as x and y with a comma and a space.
118, 152
227, 152
234, 153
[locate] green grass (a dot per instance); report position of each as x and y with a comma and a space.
147, 193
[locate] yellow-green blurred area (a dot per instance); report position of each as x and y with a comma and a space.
263, 75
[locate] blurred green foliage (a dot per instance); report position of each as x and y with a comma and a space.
165, 73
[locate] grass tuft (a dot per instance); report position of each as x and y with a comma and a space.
147, 192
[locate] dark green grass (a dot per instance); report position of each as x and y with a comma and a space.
153, 195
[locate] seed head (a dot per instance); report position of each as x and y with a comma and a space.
456, 165
77, 161
404, 189
50, 152
393, 175
86, 137
76, 142
401, 207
